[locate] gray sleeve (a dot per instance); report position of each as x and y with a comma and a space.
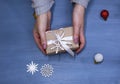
42, 6
84, 3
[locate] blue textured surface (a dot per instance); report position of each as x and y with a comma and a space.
17, 47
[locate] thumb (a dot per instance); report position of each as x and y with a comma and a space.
43, 39
76, 34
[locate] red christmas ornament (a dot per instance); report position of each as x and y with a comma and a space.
104, 14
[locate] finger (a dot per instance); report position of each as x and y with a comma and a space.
37, 40
82, 42
76, 34
48, 20
43, 39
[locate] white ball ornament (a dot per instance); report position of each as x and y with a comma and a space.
98, 58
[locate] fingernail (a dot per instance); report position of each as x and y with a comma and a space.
44, 46
75, 40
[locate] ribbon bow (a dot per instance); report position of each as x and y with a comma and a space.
61, 42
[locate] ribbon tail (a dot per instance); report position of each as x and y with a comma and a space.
67, 38
65, 42
67, 48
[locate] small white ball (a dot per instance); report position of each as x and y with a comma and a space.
98, 57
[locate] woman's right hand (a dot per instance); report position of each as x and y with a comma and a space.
42, 25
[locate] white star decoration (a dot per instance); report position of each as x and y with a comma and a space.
32, 67
46, 70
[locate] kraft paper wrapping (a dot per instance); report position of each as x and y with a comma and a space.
68, 31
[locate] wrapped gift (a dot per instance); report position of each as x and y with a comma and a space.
60, 40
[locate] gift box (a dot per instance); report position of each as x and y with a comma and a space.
60, 40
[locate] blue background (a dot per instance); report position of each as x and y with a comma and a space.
17, 46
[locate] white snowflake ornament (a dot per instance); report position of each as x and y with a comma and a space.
32, 67
98, 58
46, 70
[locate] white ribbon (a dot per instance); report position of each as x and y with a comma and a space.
61, 42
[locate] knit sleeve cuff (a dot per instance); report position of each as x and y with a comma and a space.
84, 3
42, 6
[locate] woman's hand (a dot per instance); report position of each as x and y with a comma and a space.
41, 26
78, 26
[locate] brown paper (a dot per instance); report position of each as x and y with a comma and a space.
50, 36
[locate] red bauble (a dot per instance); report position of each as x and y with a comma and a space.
104, 14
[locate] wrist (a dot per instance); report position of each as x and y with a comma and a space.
79, 9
